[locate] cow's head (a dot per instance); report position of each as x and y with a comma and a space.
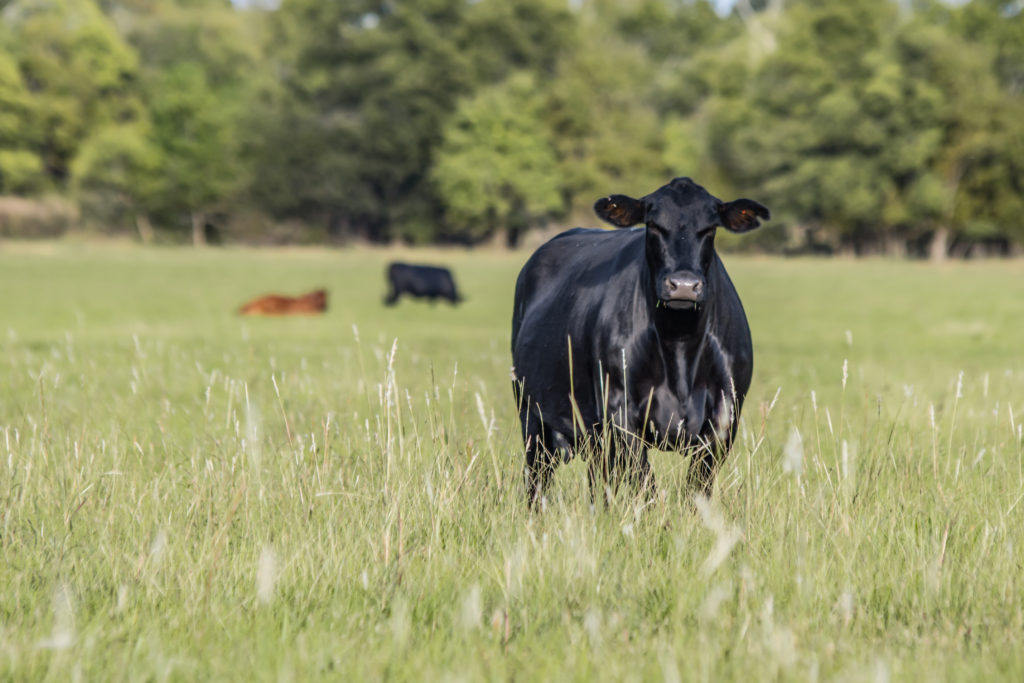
681, 219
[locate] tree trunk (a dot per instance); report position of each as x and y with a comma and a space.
335, 228
939, 249
961, 249
144, 227
895, 246
198, 229
512, 236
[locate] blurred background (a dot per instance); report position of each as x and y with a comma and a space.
867, 126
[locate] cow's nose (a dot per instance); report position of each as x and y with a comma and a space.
684, 286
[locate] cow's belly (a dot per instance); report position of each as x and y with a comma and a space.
673, 421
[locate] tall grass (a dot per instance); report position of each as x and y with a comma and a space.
185, 494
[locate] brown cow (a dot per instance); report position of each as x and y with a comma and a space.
313, 303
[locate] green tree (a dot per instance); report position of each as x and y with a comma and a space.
496, 167
117, 177
21, 168
200, 67
682, 42
372, 85
800, 135
953, 118
164, 33
1000, 25
876, 127
526, 35
671, 31
79, 72
197, 146
811, 131
605, 126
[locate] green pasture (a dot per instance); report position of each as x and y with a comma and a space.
190, 495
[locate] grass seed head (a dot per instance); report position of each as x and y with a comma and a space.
472, 609
793, 453
266, 575
63, 635
726, 535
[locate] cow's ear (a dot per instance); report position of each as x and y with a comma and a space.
620, 210
741, 215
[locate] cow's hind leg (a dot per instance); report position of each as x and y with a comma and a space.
594, 478
627, 463
540, 462
703, 467
637, 468
705, 463
642, 477
717, 435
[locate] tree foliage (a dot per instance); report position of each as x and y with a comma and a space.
373, 85
870, 126
496, 166
79, 72
866, 124
117, 176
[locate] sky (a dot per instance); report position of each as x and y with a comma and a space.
723, 6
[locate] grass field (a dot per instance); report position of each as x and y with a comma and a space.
188, 495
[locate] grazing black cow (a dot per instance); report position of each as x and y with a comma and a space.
637, 335
428, 282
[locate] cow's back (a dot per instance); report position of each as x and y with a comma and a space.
567, 276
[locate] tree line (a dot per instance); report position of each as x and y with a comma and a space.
867, 125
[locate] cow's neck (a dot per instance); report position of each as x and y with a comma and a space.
682, 336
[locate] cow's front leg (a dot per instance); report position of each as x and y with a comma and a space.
642, 476
539, 466
716, 436
703, 467
597, 478
632, 465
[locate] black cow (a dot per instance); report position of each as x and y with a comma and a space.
429, 282
634, 334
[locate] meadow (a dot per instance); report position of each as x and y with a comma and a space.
190, 495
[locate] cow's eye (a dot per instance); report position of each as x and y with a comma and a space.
657, 228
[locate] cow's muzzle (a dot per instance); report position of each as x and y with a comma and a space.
683, 290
